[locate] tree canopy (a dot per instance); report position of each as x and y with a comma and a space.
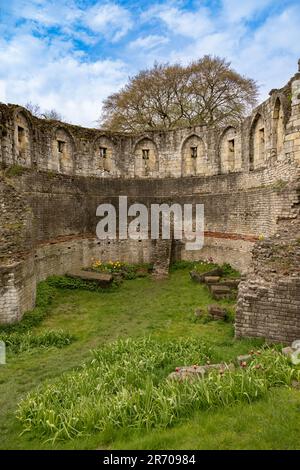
205, 92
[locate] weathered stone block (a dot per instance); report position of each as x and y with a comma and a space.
217, 312
221, 292
102, 279
211, 279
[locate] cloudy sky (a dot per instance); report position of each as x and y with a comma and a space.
71, 54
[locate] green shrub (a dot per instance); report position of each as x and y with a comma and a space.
127, 270
229, 271
230, 315
199, 266
182, 264
203, 266
20, 342
125, 386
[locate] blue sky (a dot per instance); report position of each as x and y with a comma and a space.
71, 54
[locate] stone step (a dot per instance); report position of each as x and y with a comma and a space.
221, 292
211, 279
217, 312
233, 283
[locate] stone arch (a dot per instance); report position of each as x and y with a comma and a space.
146, 158
228, 149
63, 151
257, 142
278, 126
104, 155
22, 139
193, 155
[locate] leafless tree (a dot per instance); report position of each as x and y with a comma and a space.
207, 91
51, 114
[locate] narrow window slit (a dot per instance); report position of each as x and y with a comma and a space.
103, 152
60, 146
145, 153
194, 152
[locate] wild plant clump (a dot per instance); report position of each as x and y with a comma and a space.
18, 342
127, 270
126, 385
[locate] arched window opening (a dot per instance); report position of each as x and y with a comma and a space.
278, 127
257, 143
146, 158
228, 150
193, 152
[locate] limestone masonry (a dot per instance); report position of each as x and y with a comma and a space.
54, 175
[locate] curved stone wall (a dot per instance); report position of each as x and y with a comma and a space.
52, 146
61, 173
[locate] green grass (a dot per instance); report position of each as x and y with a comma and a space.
163, 310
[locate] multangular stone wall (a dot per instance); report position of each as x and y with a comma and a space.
269, 296
57, 174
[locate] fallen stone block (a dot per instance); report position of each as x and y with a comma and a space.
102, 279
196, 277
223, 367
192, 372
232, 283
244, 359
217, 312
296, 344
211, 279
221, 292
200, 277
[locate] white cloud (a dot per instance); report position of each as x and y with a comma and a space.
187, 23
107, 19
110, 19
236, 10
268, 53
34, 70
149, 42
50, 71
47, 13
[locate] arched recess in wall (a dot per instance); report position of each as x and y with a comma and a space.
257, 143
278, 126
63, 152
104, 156
146, 158
22, 139
193, 156
228, 150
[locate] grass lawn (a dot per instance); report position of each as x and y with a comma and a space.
165, 310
